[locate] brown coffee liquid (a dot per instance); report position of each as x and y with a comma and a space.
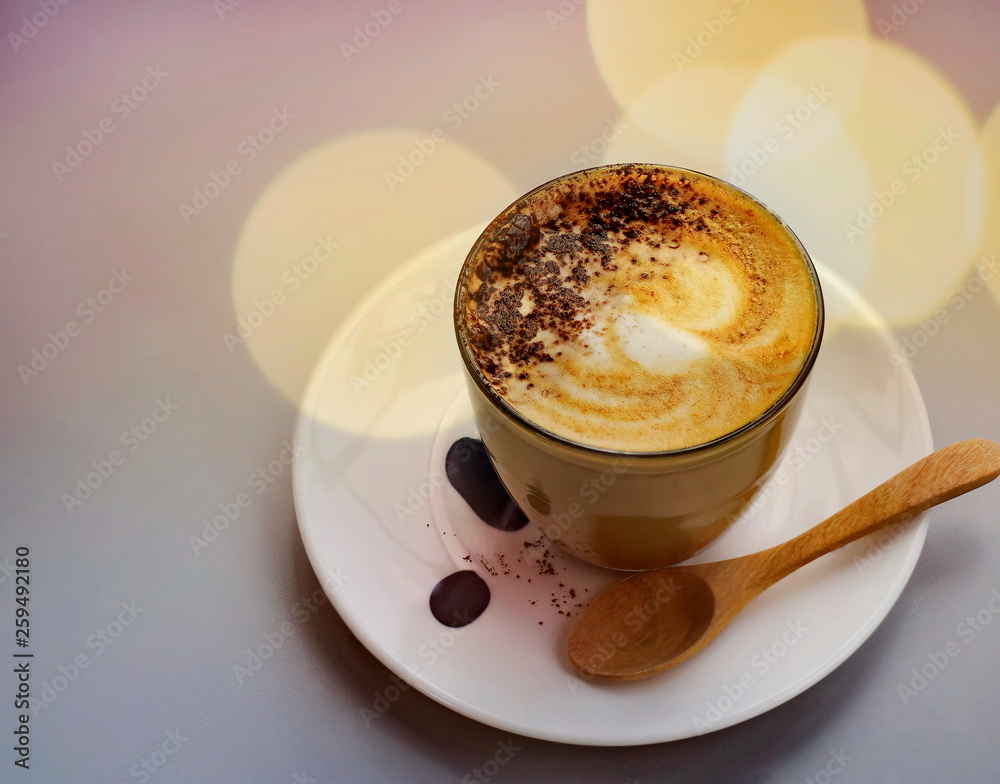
638, 308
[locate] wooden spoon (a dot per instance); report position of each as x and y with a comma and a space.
652, 621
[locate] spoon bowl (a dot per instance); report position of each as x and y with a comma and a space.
652, 621
670, 614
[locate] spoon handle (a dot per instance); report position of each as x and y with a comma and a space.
942, 475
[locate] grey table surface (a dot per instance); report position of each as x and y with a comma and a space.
116, 116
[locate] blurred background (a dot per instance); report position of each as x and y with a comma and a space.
195, 194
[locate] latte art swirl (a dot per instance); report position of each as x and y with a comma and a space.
638, 308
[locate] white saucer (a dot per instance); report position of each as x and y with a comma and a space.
382, 526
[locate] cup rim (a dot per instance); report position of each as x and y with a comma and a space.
512, 413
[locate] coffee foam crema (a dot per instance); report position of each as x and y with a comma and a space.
638, 308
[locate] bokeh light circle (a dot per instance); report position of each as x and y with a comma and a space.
920, 147
395, 362
691, 62
335, 223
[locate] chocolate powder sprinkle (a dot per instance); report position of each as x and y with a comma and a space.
532, 272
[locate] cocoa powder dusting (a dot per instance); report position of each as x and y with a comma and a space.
531, 274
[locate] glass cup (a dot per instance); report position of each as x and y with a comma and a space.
630, 510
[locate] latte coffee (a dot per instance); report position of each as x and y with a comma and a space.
637, 339
639, 309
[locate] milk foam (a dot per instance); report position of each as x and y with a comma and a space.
639, 313
656, 344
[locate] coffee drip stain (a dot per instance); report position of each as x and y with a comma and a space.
463, 596
459, 598
471, 473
